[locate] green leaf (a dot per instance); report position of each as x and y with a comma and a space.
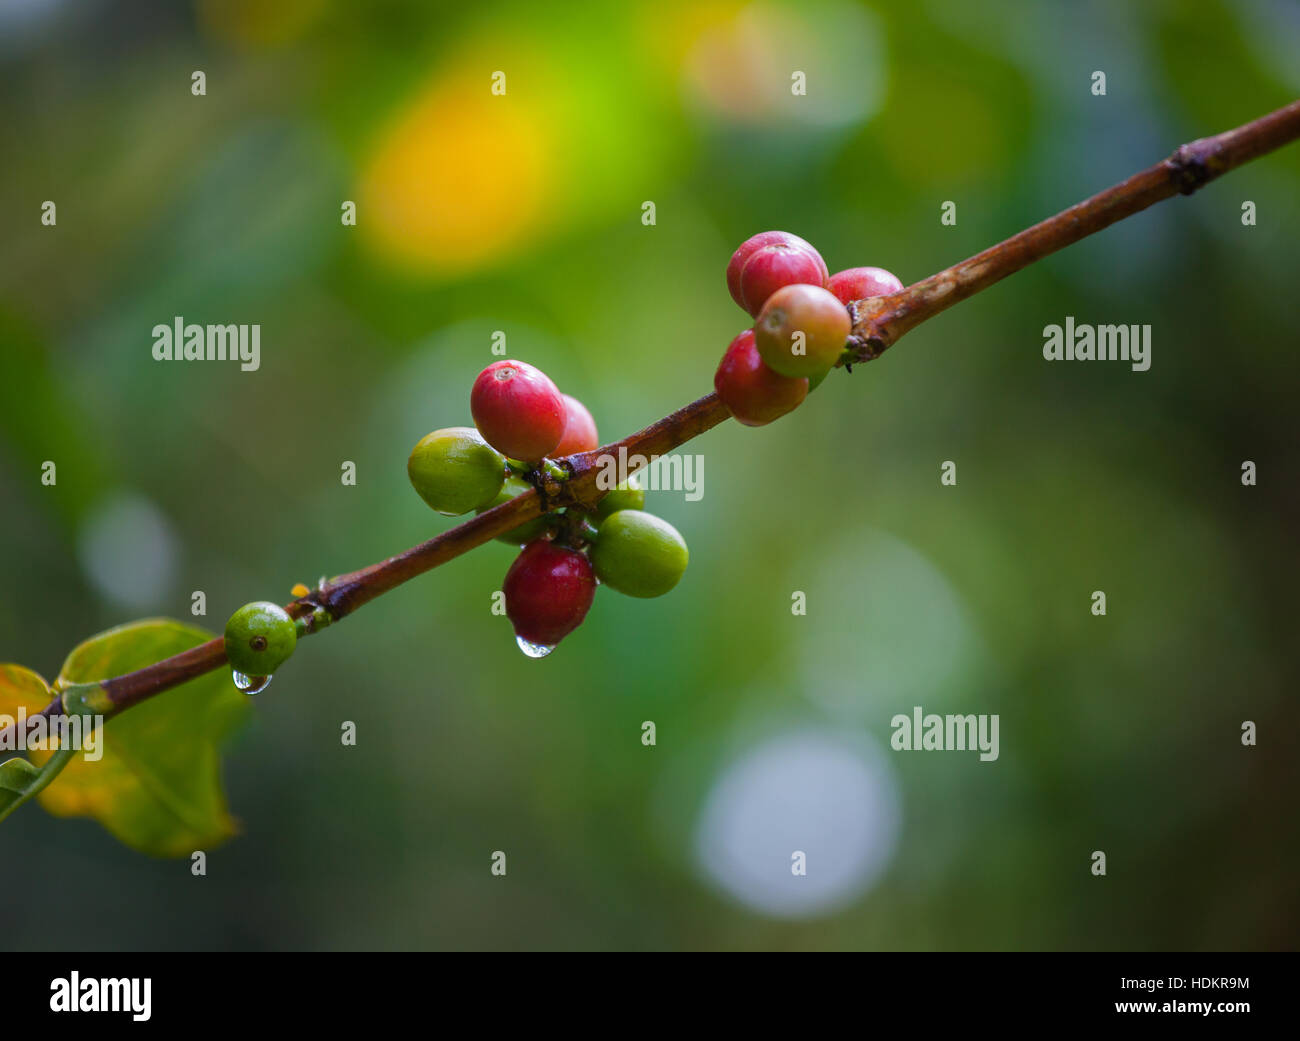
157, 787
20, 780
17, 779
21, 688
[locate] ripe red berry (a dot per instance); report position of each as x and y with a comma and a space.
859, 283
518, 410
751, 246
801, 331
548, 590
579, 429
752, 392
774, 267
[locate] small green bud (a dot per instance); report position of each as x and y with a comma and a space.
525, 533
626, 496
86, 699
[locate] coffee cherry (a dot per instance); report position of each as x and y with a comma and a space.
533, 529
773, 267
859, 283
752, 392
639, 554
579, 429
518, 410
455, 470
752, 245
626, 496
259, 638
808, 310
548, 590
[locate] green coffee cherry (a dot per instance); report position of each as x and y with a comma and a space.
626, 496
259, 638
639, 554
455, 470
525, 533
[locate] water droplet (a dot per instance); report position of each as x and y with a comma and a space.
534, 650
250, 684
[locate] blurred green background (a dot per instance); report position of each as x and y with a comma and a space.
522, 213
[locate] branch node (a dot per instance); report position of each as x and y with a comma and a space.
862, 349
1190, 167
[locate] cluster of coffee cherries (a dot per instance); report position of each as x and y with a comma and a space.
522, 425
801, 323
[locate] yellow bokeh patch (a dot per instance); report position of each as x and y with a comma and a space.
462, 177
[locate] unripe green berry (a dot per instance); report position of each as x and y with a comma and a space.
639, 554
629, 495
455, 470
259, 638
525, 533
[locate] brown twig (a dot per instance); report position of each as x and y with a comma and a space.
878, 323
342, 595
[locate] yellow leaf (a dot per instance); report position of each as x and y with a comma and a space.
156, 782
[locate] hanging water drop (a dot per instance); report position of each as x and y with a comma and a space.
250, 684
534, 650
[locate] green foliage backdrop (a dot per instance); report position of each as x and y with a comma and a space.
1119, 734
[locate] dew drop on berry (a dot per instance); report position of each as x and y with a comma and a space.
250, 684
534, 650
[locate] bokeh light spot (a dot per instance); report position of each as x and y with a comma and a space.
741, 68
128, 550
912, 640
823, 794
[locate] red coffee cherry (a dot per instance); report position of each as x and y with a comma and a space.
773, 267
579, 429
518, 410
801, 331
548, 591
751, 246
859, 283
752, 392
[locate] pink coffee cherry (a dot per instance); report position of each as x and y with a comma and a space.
859, 283
752, 245
579, 429
548, 592
752, 392
518, 410
775, 267
801, 331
